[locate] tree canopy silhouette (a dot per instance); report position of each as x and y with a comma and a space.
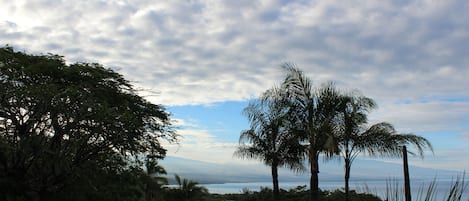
56, 118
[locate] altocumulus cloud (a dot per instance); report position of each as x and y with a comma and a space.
206, 51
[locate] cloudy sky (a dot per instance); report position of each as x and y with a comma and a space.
205, 59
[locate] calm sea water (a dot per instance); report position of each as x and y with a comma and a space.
377, 187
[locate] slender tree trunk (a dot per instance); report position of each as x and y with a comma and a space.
347, 178
314, 181
276, 191
348, 133
406, 174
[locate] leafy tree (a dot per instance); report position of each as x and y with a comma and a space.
112, 180
313, 112
269, 138
381, 139
57, 118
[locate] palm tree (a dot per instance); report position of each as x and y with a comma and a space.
152, 179
190, 190
313, 113
353, 137
269, 138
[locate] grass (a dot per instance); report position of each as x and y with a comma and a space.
395, 190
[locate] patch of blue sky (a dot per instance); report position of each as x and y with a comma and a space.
444, 140
456, 99
224, 120
403, 101
433, 99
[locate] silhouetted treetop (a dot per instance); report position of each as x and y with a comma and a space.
56, 118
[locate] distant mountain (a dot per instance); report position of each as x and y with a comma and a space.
362, 170
204, 172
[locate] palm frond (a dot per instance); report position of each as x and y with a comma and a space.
297, 84
382, 139
270, 138
419, 142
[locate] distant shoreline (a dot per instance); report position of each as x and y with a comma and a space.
376, 187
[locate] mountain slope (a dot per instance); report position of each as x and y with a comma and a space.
205, 172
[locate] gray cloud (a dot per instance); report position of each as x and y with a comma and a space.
200, 52
425, 117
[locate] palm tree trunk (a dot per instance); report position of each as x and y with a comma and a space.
347, 178
276, 191
408, 196
314, 181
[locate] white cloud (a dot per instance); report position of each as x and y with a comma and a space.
447, 159
206, 51
198, 146
196, 143
425, 116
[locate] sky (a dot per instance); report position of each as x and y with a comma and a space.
205, 59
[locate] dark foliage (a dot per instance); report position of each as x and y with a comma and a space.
70, 127
300, 193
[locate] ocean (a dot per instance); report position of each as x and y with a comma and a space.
377, 187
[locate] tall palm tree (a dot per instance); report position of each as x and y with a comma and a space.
269, 138
313, 112
353, 137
